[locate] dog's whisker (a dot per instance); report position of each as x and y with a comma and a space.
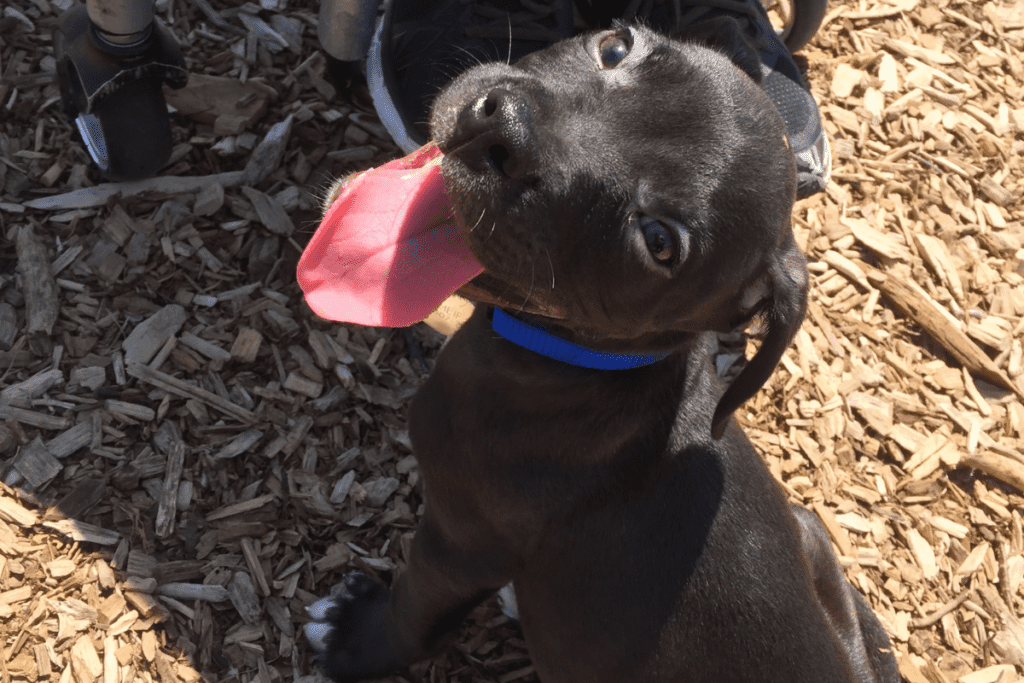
476, 59
529, 293
508, 60
547, 252
478, 220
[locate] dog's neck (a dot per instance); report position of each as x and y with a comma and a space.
532, 336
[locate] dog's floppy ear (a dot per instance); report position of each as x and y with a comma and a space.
784, 312
724, 35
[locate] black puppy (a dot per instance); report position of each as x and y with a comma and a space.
628, 195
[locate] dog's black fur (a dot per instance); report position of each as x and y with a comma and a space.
633, 193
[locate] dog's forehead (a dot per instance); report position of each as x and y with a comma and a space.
673, 109
660, 77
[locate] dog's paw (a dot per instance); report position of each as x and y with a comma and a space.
348, 631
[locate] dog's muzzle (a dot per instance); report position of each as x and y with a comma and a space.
495, 133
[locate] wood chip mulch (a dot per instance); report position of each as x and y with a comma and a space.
189, 457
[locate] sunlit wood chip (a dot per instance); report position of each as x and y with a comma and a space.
845, 79
853, 522
923, 554
888, 74
973, 560
948, 526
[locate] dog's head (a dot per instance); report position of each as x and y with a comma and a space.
633, 190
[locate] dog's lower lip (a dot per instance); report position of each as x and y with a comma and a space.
451, 143
497, 156
452, 149
512, 301
444, 145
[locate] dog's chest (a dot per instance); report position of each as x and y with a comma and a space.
507, 424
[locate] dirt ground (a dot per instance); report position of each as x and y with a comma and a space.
190, 457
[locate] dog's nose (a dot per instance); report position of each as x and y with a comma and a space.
495, 132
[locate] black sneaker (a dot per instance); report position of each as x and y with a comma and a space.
780, 76
419, 46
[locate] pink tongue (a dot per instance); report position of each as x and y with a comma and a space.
388, 252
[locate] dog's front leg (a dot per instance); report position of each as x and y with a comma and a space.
368, 630
857, 629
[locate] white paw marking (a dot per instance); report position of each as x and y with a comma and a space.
318, 630
318, 610
316, 634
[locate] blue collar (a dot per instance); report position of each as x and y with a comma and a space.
533, 337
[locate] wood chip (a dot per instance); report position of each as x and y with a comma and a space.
13, 512
70, 440
923, 553
167, 508
938, 258
1005, 469
847, 268
246, 345
244, 598
40, 290
915, 303
838, 534
240, 444
998, 673
130, 410
149, 336
881, 243
208, 349
302, 385
180, 388
242, 507
194, 591
845, 79
85, 662
22, 393
270, 212
36, 464
83, 533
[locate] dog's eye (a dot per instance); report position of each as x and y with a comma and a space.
660, 240
613, 48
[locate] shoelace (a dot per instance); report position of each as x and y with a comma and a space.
523, 25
